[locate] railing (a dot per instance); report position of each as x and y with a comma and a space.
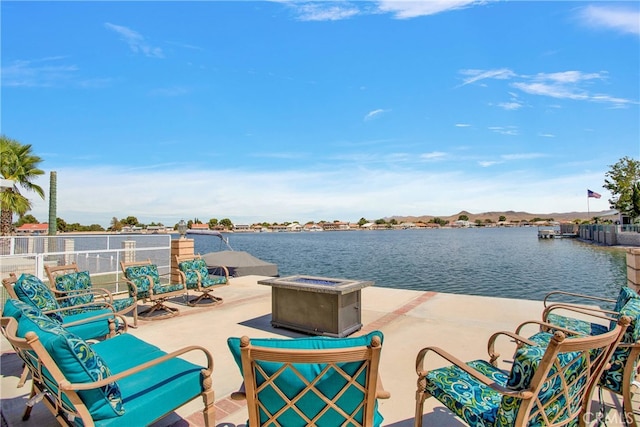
100, 255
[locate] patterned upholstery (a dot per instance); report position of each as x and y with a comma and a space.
627, 304
469, 399
195, 271
613, 377
77, 285
33, 291
553, 403
140, 275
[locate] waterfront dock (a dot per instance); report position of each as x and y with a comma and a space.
410, 320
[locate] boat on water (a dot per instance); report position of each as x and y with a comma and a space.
239, 263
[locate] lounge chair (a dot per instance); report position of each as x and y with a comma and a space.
123, 381
624, 371
317, 381
194, 274
547, 385
68, 279
143, 281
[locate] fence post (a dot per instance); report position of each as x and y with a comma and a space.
179, 247
633, 269
129, 247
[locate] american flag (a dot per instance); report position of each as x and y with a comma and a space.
593, 194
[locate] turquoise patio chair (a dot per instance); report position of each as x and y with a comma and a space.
69, 280
194, 274
319, 381
123, 381
547, 385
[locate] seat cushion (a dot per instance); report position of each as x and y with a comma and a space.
77, 286
331, 382
582, 327
33, 291
559, 407
75, 358
612, 378
626, 293
121, 304
467, 397
89, 330
194, 270
153, 392
146, 276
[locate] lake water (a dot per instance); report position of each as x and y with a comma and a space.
506, 262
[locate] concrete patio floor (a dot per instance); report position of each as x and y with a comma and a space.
410, 320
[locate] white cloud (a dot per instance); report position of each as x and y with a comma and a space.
374, 114
323, 12
625, 20
436, 155
45, 72
477, 75
136, 41
411, 9
462, 125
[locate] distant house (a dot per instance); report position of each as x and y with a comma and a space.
294, 227
33, 228
199, 226
313, 227
239, 228
131, 229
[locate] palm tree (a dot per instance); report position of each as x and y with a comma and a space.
20, 165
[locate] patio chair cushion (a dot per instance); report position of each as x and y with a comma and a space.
151, 393
582, 327
75, 357
77, 285
587, 328
525, 364
140, 275
33, 291
468, 398
330, 383
612, 377
626, 294
196, 270
123, 303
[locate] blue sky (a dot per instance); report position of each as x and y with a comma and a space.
309, 111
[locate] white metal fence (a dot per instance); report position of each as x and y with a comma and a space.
99, 254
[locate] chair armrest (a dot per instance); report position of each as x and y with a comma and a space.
572, 294
136, 369
224, 268
422, 373
493, 355
89, 305
589, 311
99, 293
381, 393
241, 394
125, 326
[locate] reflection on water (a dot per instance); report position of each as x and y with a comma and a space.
505, 262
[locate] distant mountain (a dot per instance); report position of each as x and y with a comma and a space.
511, 216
